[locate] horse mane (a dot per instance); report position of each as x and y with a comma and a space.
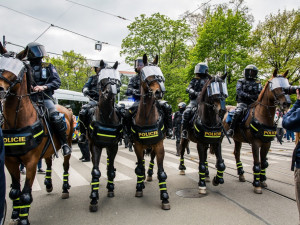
260, 96
203, 92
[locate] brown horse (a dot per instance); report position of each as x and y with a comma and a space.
259, 128
105, 131
207, 131
148, 129
20, 118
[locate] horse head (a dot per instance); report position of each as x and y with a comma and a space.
152, 79
12, 70
109, 81
214, 93
278, 84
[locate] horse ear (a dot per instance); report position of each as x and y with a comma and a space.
145, 59
155, 61
2, 49
102, 64
224, 76
115, 66
275, 72
21, 55
285, 73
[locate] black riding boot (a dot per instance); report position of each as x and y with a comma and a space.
59, 129
230, 132
185, 123
167, 110
82, 130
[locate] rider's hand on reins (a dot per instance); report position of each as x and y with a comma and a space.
39, 88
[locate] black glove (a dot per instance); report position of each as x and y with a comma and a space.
136, 92
254, 97
85, 91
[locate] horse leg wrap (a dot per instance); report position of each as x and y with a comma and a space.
206, 169
14, 195
239, 167
150, 169
202, 170
162, 177
48, 179
96, 174
220, 170
256, 173
140, 173
111, 174
181, 164
66, 186
26, 200
264, 165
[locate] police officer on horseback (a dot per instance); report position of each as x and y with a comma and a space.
194, 89
46, 80
134, 91
91, 90
247, 89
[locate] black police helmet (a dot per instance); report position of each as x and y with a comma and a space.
201, 68
36, 51
138, 63
250, 72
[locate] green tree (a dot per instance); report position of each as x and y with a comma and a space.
223, 39
278, 43
73, 69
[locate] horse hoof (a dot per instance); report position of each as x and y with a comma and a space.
257, 190
49, 189
181, 172
110, 194
207, 179
242, 178
93, 208
215, 183
13, 222
202, 190
165, 206
139, 194
263, 184
149, 179
65, 195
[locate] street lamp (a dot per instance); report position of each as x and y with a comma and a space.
66, 75
98, 46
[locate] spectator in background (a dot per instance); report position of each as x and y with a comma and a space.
280, 131
291, 122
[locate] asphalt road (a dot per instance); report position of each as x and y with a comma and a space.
231, 203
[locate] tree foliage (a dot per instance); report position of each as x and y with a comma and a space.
73, 70
278, 39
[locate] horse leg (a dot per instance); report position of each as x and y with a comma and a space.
201, 148
96, 174
264, 164
139, 170
66, 186
48, 179
150, 168
162, 176
239, 165
207, 179
26, 196
256, 169
111, 171
12, 164
182, 146
218, 179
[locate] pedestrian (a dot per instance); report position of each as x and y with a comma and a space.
291, 122
279, 131
39, 168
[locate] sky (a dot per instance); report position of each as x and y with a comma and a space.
21, 30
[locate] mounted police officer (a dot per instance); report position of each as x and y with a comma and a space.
194, 89
247, 89
177, 124
91, 90
46, 80
134, 91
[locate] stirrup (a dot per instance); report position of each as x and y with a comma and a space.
66, 150
184, 134
230, 132
82, 138
169, 133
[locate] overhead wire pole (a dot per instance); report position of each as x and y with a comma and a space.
52, 25
120, 17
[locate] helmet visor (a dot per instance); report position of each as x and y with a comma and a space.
37, 51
